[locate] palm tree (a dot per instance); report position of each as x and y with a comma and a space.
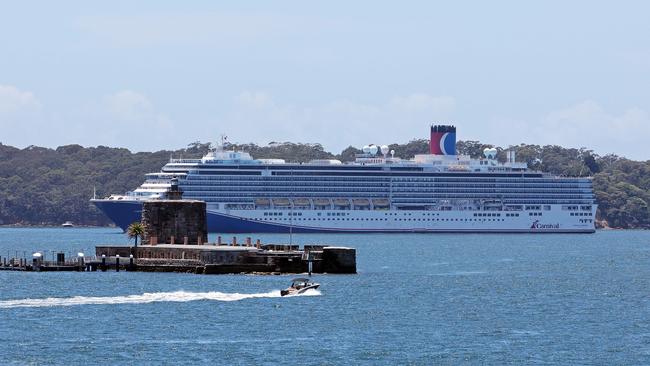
135, 230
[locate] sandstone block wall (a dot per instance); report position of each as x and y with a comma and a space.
174, 222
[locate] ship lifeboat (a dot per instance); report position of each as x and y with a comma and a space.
380, 202
262, 202
341, 202
457, 168
321, 202
492, 204
281, 202
361, 202
301, 202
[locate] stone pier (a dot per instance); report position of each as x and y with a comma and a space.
221, 259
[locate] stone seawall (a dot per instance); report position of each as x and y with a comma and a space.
219, 259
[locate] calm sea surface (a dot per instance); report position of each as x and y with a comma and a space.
418, 299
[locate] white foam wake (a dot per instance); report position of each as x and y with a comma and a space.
178, 296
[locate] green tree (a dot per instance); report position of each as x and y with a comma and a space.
589, 160
348, 154
410, 149
135, 231
471, 148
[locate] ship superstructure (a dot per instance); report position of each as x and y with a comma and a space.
435, 192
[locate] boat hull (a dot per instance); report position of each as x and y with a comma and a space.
291, 291
123, 213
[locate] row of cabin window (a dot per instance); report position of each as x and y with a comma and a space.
395, 180
370, 219
488, 214
516, 188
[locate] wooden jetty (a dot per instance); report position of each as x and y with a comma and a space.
39, 264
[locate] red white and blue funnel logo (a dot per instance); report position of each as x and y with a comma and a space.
443, 140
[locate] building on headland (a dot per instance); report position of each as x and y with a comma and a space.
436, 192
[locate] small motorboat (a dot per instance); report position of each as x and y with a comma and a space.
299, 286
67, 224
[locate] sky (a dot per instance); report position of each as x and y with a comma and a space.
152, 75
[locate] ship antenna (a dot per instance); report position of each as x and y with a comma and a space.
224, 140
94, 192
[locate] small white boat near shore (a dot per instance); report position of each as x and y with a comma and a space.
67, 224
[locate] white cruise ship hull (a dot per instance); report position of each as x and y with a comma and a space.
555, 220
360, 221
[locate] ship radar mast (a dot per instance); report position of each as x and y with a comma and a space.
223, 140
215, 148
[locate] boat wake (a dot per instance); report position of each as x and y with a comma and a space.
177, 296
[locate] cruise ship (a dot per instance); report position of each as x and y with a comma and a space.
436, 192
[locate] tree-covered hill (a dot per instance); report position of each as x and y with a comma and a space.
49, 186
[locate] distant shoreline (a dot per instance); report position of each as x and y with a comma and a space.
45, 226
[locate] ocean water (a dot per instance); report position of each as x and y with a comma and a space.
417, 299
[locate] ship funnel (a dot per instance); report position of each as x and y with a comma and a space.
443, 140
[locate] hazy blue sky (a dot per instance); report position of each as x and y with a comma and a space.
158, 75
